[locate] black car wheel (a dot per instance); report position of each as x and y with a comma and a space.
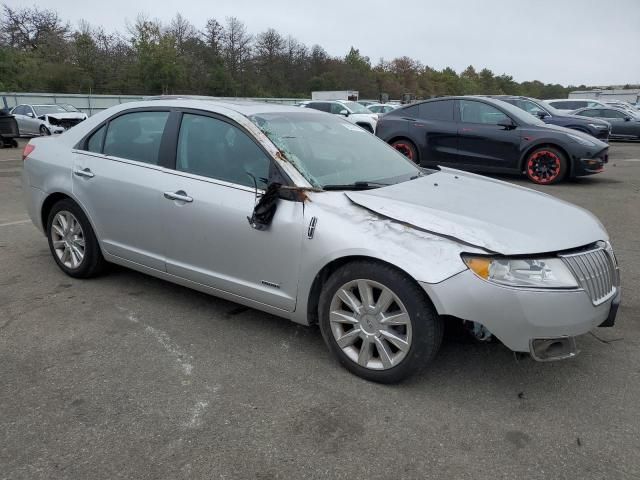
44, 130
407, 148
545, 166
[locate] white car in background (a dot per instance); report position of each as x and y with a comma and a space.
352, 111
45, 119
382, 108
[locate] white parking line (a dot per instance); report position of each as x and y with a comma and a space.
17, 222
631, 159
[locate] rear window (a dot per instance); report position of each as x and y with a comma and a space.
438, 110
136, 136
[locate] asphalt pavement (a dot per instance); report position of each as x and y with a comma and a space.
127, 376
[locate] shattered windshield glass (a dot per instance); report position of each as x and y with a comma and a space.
327, 150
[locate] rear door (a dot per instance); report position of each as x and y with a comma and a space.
436, 132
119, 178
482, 143
212, 192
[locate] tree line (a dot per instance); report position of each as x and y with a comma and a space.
41, 52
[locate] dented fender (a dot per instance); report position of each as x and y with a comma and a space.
426, 257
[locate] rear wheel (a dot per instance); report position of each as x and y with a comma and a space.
72, 241
378, 322
545, 166
407, 148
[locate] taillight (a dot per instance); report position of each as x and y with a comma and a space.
28, 148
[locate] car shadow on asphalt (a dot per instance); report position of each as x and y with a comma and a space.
461, 362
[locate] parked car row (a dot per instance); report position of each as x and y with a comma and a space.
352, 111
46, 119
307, 216
624, 124
489, 135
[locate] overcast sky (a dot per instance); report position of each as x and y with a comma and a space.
572, 42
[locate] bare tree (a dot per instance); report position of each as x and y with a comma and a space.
236, 50
30, 28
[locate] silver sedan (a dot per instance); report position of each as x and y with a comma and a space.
303, 214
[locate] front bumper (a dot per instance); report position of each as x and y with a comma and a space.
518, 316
590, 165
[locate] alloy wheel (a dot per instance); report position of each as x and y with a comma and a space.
68, 239
544, 166
370, 324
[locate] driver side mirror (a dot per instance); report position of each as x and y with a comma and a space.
344, 112
542, 114
507, 123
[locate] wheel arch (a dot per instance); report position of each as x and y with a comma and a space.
555, 146
313, 300
53, 198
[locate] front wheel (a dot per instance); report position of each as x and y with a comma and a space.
545, 166
378, 322
44, 131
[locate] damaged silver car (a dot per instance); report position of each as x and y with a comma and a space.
307, 216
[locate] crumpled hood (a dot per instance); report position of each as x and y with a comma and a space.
486, 213
68, 115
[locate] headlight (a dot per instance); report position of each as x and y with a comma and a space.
582, 141
522, 272
597, 125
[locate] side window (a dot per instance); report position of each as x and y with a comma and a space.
336, 108
608, 113
216, 149
136, 136
589, 113
28, 109
322, 106
412, 111
375, 108
529, 107
478, 112
438, 110
19, 110
94, 144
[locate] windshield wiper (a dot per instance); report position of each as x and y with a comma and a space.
356, 186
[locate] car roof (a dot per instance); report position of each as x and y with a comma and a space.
243, 107
573, 100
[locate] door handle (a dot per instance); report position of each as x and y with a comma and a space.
85, 172
180, 195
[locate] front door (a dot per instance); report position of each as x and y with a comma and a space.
482, 142
212, 193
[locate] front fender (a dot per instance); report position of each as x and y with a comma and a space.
345, 230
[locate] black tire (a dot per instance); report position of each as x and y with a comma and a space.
426, 325
546, 166
93, 262
407, 148
44, 131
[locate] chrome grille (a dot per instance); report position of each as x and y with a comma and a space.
595, 270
